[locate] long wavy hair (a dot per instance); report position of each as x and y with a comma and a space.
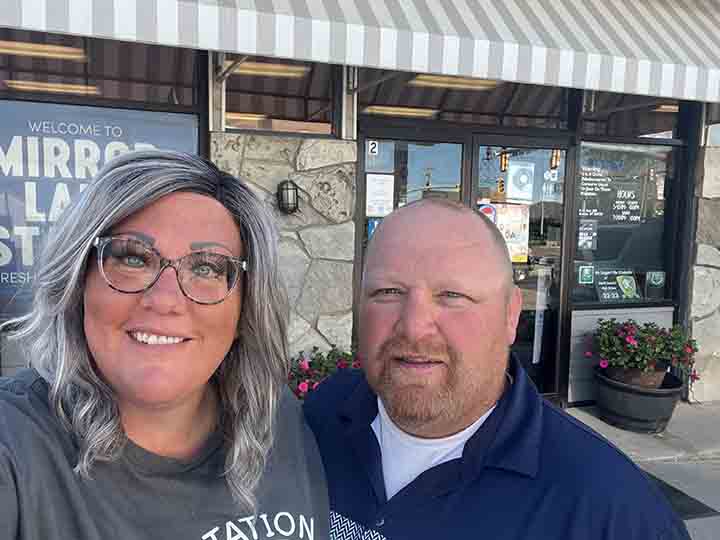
252, 374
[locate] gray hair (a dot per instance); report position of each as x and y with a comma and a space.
252, 374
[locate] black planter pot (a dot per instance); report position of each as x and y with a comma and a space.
643, 410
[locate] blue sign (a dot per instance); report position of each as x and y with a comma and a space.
48, 155
372, 224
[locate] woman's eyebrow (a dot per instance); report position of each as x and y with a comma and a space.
201, 245
140, 236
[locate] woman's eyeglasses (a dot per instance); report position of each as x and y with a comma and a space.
132, 266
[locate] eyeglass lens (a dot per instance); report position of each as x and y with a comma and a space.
131, 266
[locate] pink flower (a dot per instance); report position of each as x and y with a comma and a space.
304, 365
303, 387
588, 354
694, 376
631, 341
604, 363
342, 364
315, 385
356, 364
688, 349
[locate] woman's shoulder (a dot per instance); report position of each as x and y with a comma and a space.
24, 407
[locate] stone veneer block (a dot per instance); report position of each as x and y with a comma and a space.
705, 332
297, 328
331, 191
707, 256
332, 242
710, 174
272, 148
328, 289
708, 228
317, 153
294, 263
266, 174
706, 291
708, 387
307, 341
337, 329
306, 216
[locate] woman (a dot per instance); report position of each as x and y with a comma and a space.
156, 404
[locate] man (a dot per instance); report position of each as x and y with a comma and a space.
444, 435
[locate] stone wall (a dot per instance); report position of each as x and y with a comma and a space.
317, 245
705, 308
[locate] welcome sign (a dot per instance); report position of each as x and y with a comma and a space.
48, 155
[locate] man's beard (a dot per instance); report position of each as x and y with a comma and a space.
413, 405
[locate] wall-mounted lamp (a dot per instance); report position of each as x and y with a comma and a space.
287, 197
555, 158
504, 160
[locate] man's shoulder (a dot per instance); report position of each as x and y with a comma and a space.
568, 441
586, 462
324, 402
333, 392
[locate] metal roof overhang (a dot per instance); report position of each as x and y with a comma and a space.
664, 48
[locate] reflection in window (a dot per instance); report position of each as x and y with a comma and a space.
400, 172
62, 66
284, 96
521, 191
620, 198
623, 115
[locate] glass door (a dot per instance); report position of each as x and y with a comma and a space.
398, 172
521, 190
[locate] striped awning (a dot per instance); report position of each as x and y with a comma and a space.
665, 48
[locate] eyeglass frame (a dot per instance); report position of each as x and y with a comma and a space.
100, 242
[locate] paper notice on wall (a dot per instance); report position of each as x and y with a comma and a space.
380, 194
541, 304
513, 221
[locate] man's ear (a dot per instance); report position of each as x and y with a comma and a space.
514, 307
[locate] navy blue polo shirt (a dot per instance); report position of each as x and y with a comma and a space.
530, 472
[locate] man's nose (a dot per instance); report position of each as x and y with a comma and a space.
165, 295
417, 318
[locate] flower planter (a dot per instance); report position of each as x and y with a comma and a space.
633, 408
636, 377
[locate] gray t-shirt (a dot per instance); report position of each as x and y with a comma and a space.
143, 495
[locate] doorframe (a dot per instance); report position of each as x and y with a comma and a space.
470, 137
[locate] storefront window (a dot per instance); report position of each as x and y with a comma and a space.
620, 200
285, 96
400, 172
623, 115
521, 190
76, 68
48, 154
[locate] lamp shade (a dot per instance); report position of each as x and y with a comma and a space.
287, 197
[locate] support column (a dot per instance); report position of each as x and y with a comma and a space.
348, 104
216, 91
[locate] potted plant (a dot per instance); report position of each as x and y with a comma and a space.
637, 389
308, 370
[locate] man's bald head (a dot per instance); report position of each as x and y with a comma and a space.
433, 205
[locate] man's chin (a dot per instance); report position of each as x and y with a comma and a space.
413, 402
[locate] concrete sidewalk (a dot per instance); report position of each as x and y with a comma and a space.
686, 456
692, 434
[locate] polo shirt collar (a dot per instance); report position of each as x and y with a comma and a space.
516, 445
